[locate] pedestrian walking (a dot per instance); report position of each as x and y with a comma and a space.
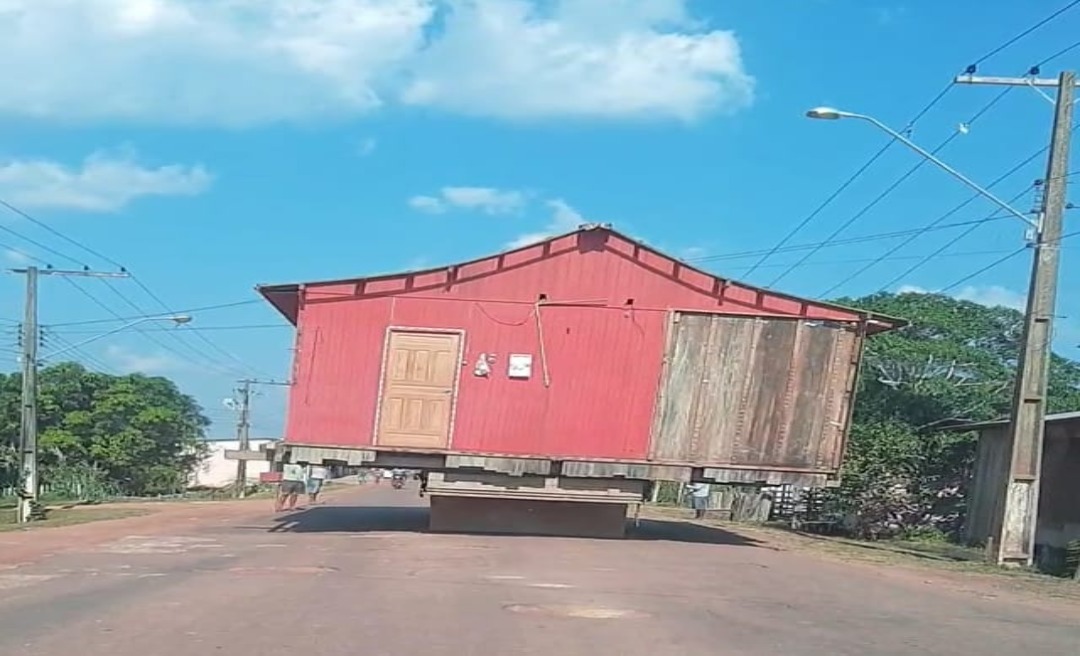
316, 475
293, 479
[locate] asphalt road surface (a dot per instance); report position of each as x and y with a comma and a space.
358, 576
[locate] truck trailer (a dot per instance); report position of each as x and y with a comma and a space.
545, 388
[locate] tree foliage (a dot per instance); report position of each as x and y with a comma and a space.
956, 360
136, 434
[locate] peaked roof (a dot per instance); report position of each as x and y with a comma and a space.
285, 297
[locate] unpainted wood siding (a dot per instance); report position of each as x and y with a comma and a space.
1059, 512
762, 392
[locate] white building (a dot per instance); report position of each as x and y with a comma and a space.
216, 471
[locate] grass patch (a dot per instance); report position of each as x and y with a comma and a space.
65, 517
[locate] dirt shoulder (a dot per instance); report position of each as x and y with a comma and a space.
88, 525
904, 562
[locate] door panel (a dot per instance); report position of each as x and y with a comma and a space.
419, 380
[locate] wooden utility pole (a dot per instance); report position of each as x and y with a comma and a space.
243, 428
1016, 522
28, 432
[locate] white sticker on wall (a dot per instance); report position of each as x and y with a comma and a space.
520, 366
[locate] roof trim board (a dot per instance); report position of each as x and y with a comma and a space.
284, 297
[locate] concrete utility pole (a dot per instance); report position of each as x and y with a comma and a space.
28, 433
1014, 527
243, 429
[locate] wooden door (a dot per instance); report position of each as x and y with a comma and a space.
419, 379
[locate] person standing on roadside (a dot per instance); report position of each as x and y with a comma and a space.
699, 498
316, 474
293, 479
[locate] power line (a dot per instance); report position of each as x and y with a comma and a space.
1026, 32
899, 181
93, 361
877, 155
978, 272
996, 263
106, 258
254, 326
192, 310
880, 236
150, 336
57, 233
955, 240
896, 258
936, 222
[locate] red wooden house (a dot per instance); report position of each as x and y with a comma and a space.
586, 348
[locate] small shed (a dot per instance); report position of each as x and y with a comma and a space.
1059, 492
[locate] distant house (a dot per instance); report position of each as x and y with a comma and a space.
216, 471
1059, 493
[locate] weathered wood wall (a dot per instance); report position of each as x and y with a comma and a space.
1059, 509
756, 392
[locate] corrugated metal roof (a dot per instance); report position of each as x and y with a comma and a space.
285, 297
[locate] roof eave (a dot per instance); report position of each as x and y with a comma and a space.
287, 295
284, 298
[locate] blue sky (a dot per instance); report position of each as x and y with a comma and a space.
209, 147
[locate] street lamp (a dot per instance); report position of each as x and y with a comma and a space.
28, 494
833, 114
1014, 527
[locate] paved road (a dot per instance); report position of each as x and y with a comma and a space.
359, 577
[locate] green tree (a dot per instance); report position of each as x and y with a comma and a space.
135, 433
956, 360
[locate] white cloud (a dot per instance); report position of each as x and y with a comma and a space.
564, 218
428, 204
103, 183
484, 199
991, 295
129, 361
245, 62
487, 200
581, 58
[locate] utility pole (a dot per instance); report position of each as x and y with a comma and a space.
243, 428
28, 433
1015, 525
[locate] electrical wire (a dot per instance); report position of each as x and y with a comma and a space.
896, 258
899, 181
1026, 32
998, 262
168, 347
933, 103
193, 310
254, 326
880, 236
4, 203
955, 240
49, 336
936, 222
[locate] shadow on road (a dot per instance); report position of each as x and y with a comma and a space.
375, 519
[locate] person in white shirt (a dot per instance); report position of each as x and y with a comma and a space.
293, 477
699, 498
316, 474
